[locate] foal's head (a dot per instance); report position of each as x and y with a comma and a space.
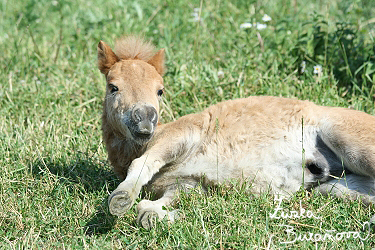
134, 87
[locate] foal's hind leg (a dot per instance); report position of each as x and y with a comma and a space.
352, 187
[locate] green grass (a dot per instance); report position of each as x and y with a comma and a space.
55, 178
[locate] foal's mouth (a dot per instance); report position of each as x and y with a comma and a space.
141, 138
140, 134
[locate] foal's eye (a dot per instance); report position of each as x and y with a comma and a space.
112, 88
160, 92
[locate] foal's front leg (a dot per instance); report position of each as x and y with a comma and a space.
175, 141
140, 173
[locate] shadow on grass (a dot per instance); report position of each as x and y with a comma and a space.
101, 222
87, 175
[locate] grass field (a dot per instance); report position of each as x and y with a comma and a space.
55, 178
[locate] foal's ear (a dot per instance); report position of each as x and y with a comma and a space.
106, 57
158, 61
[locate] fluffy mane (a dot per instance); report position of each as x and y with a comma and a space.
134, 47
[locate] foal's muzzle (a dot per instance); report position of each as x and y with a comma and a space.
143, 121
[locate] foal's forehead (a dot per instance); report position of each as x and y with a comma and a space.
130, 69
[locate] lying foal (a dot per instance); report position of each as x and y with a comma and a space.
257, 138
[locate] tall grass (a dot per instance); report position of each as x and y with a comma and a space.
55, 178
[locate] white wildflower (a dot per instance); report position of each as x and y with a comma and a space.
266, 18
303, 66
246, 25
220, 74
54, 3
195, 14
196, 17
261, 26
318, 69
219, 90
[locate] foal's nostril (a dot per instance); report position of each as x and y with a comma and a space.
137, 115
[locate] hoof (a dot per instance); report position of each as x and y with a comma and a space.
119, 202
148, 219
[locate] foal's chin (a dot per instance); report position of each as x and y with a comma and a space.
142, 139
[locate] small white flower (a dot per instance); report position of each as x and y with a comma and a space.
195, 14
266, 18
261, 26
318, 69
246, 26
220, 74
219, 90
303, 66
54, 3
35, 78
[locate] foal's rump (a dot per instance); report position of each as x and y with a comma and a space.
350, 135
345, 142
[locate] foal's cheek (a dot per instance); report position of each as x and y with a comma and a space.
115, 103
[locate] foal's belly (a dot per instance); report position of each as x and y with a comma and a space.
275, 165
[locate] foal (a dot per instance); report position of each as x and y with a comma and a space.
258, 138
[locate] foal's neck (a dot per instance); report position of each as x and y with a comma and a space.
121, 149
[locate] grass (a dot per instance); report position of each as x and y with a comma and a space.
55, 178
